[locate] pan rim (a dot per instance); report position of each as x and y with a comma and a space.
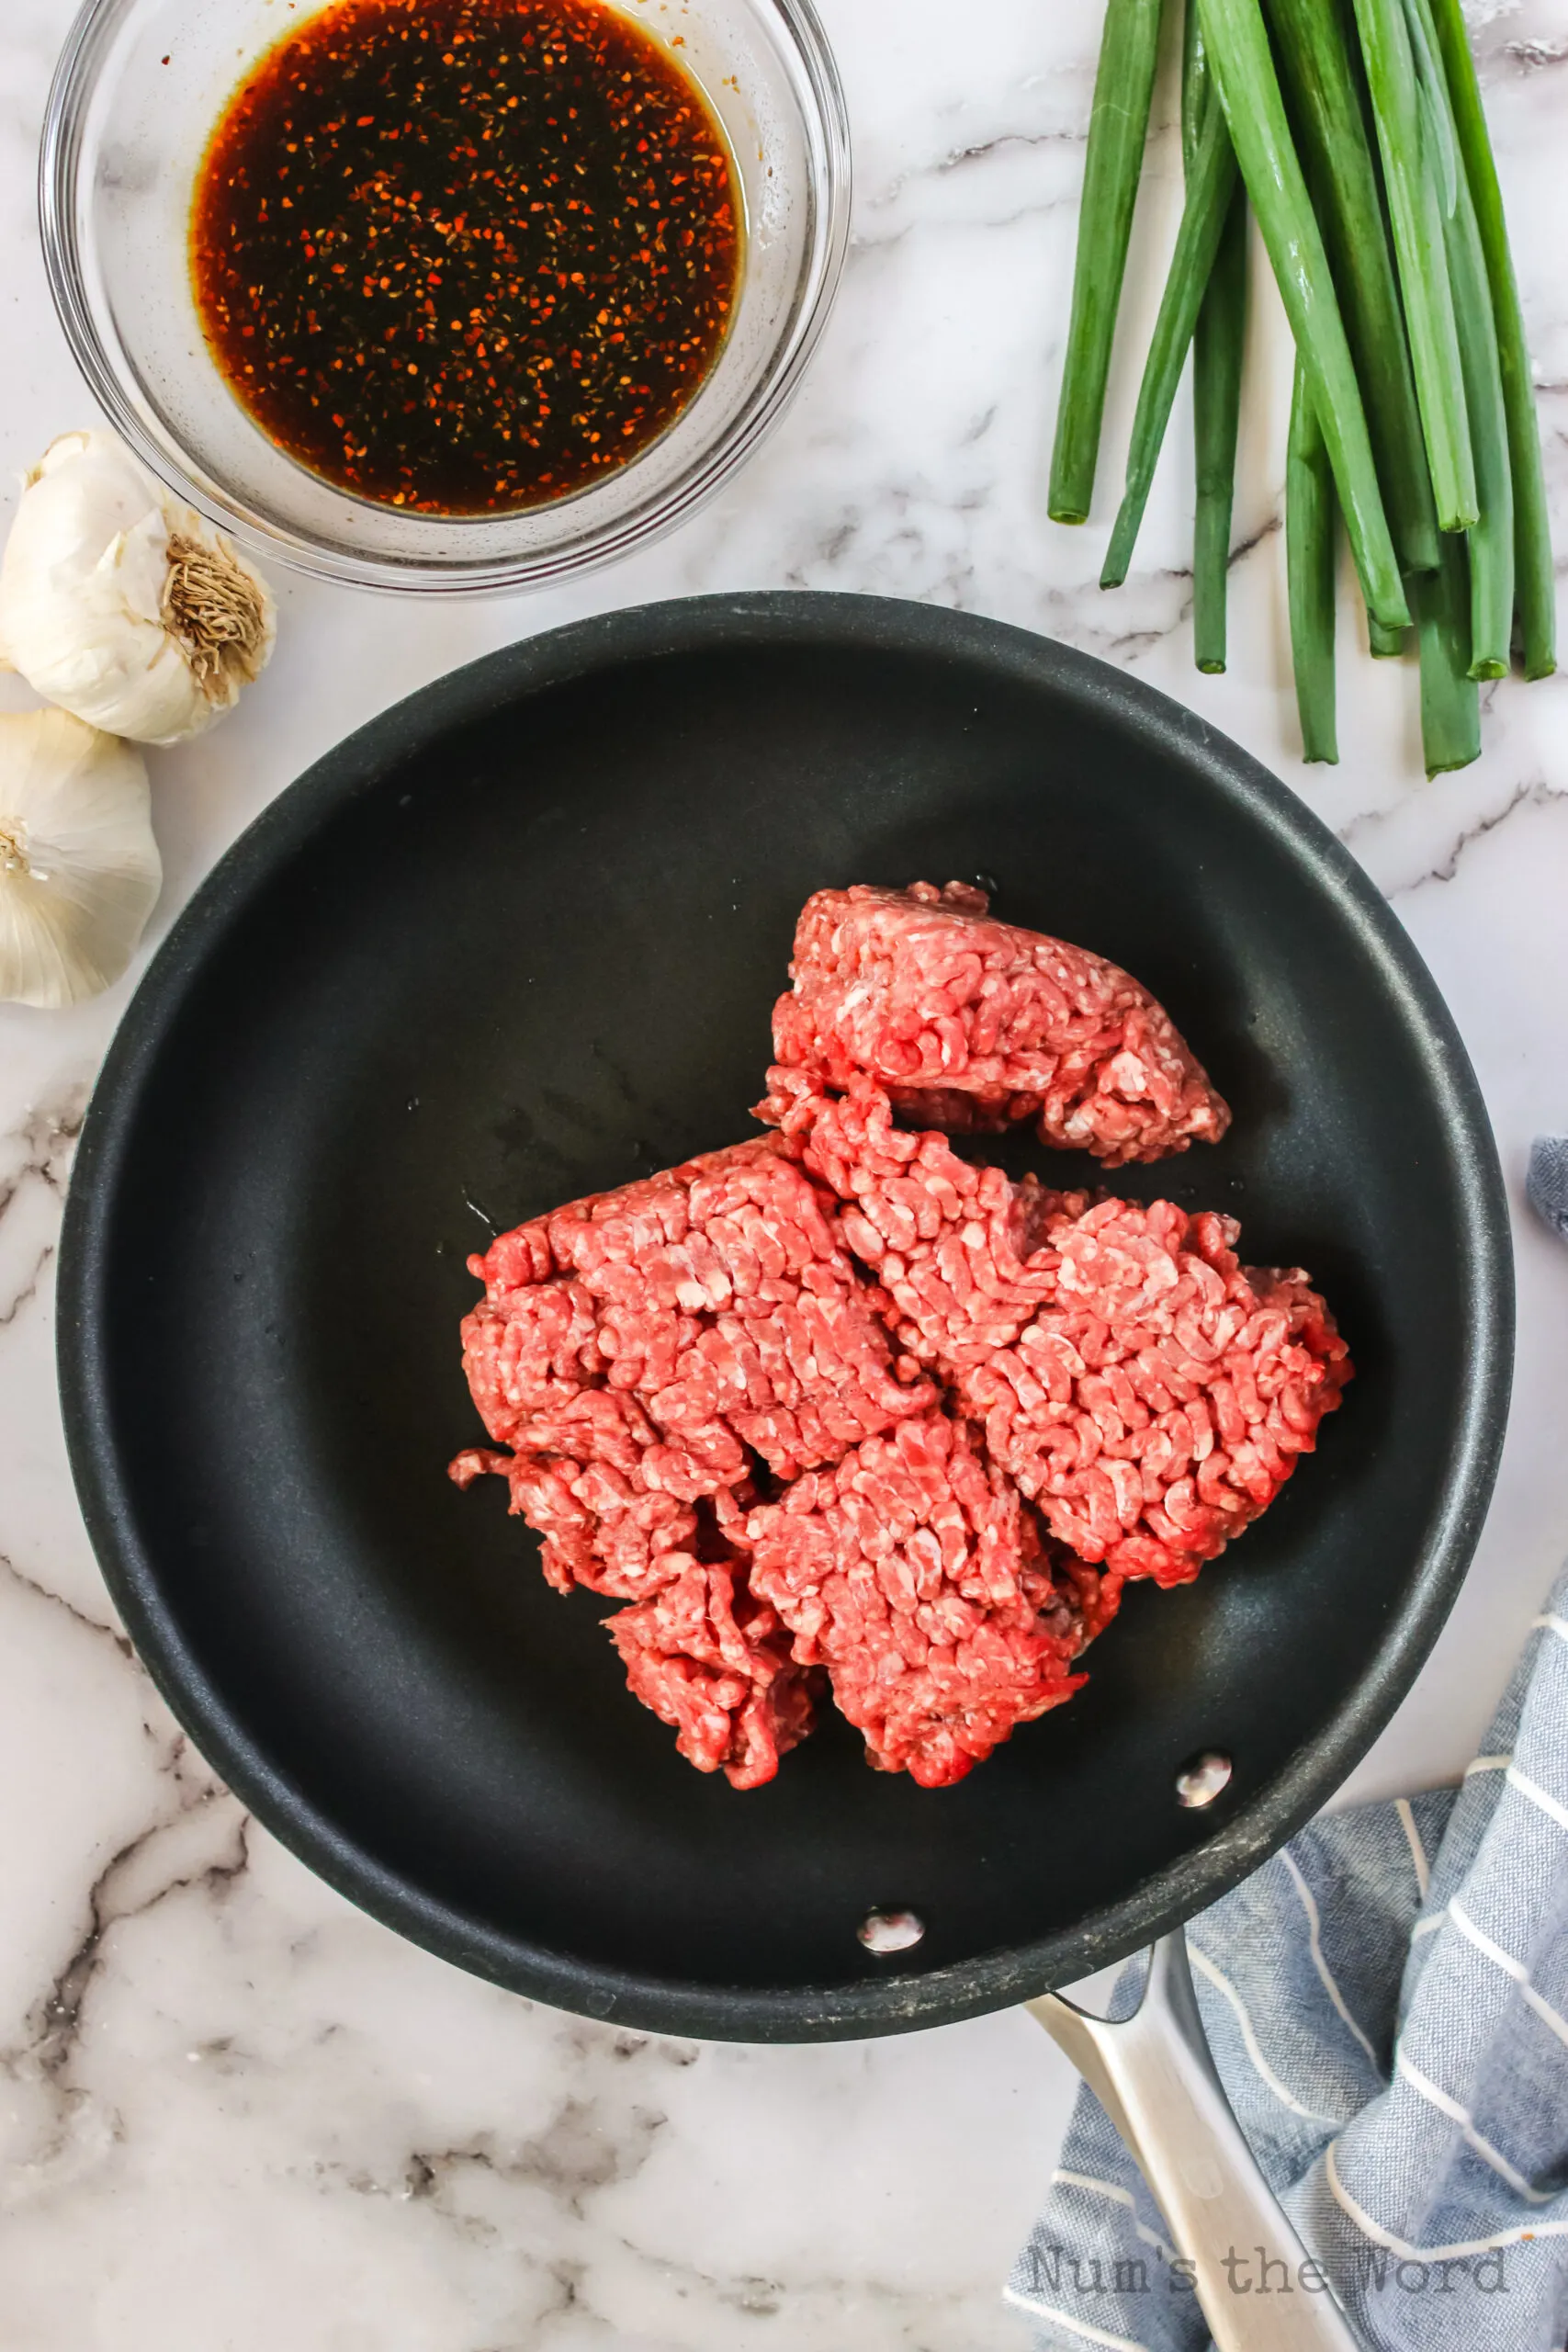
905, 2000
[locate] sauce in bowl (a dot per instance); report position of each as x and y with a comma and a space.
464, 257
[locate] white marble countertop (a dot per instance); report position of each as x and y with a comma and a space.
236, 2115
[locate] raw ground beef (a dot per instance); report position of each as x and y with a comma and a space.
951, 1243
638, 1354
1146, 1391
839, 1407
584, 1477
971, 1023
714, 1661
635, 1350
913, 1572
1159, 1403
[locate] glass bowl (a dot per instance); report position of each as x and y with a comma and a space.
141, 85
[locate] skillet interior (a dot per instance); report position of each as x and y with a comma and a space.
518, 940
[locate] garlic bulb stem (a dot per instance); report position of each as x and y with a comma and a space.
218, 613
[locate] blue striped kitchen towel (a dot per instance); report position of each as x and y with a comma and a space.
1387, 2003
1547, 1183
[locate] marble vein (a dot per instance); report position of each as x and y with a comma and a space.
14, 1575
1445, 865
35, 1162
1524, 795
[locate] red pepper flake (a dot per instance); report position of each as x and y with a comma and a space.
630, 279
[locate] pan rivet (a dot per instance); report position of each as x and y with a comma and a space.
1204, 1779
882, 1931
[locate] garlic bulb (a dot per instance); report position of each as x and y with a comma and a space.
79, 867
122, 605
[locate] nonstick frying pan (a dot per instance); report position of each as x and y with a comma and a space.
518, 940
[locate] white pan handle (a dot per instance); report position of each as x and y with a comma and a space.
1155, 2077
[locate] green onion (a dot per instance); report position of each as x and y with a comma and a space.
1492, 534
1209, 192
1196, 85
1317, 68
1535, 586
1309, 564
1416, 214
1492, 537
1356, 132
1437, 122
1239, 58
1218, 344
1117, 126
1451, 702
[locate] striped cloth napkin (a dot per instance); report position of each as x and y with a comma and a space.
1548, 1185
1387, 2003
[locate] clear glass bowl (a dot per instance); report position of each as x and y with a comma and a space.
139, 88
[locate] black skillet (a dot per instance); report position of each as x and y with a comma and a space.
516, 941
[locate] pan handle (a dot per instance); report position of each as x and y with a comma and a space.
1155, 2077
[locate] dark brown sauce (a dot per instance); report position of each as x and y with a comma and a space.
464, 257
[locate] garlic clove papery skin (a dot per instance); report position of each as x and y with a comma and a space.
79, 867
122, 605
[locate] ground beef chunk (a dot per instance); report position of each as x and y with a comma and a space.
635, 1349
1146, 1391
914, 1573
636, 1354
724, 1298
1163, 1398
953, 1245
714, 1661
585, 1476
971, 1023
